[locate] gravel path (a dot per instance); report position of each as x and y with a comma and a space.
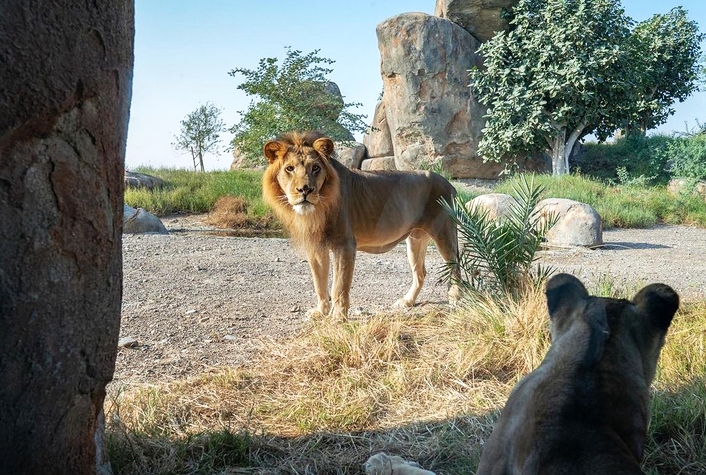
195, 299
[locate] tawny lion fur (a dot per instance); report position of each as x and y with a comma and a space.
328, 208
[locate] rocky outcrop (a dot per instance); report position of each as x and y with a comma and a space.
481, 18
378, 140
351, 154
428, 106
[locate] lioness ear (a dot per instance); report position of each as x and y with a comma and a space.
324, 146
564, 292
273, 149
659, 302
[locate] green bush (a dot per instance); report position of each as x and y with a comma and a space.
637, 155
687, 156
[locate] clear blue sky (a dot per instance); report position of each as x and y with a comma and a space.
184, 50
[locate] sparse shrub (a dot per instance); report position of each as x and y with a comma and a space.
496, 255
229, 212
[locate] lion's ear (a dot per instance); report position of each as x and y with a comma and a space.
273, 150
324, 146
658, 301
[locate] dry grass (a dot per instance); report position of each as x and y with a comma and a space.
424, 387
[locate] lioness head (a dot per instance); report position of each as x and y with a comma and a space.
300, 171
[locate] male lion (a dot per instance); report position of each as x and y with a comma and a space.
585, 409
327, 207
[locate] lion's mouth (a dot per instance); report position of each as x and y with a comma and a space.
303, 207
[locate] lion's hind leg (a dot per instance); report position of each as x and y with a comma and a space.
417, 243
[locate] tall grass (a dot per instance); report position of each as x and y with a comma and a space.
191, 192
426, 387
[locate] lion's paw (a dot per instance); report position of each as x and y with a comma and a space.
403, 303
314, 314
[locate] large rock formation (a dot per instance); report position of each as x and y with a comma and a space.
481, 18
428, 106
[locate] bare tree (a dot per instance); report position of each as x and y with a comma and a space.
65, 98
200, 133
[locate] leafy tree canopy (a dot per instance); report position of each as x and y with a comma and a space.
200, 133
291, 95
569, 68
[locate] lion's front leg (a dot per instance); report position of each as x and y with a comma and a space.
343, 265
417, 243
319, 265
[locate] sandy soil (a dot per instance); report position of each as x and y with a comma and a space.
196, 299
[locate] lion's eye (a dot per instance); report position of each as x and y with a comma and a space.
290, 169
316, 169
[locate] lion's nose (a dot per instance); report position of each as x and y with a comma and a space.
305, 189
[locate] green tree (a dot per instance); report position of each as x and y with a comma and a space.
293, 95
200, 133
667, 52
569, 68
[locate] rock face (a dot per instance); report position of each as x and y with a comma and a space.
428, 106
66, 76
578, 223
378, 140
481, 18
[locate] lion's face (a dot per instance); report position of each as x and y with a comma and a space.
302, 171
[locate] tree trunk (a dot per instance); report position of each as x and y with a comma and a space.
560, 160
66, 80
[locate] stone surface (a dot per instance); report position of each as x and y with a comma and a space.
578, 224
481, 18
431, 115
138, 220
379, 163
378, 140
66, 82
496, 205
351, 154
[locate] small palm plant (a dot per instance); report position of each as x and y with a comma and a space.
496, 255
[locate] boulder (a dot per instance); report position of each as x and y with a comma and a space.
481, 18
378, 140
379, 163
428, 106
678, 186
138, 220
142, 180
351, 154
496, 205
578, 224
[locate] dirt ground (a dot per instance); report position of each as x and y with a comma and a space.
198, 299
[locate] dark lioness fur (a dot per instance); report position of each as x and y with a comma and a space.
585, 409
